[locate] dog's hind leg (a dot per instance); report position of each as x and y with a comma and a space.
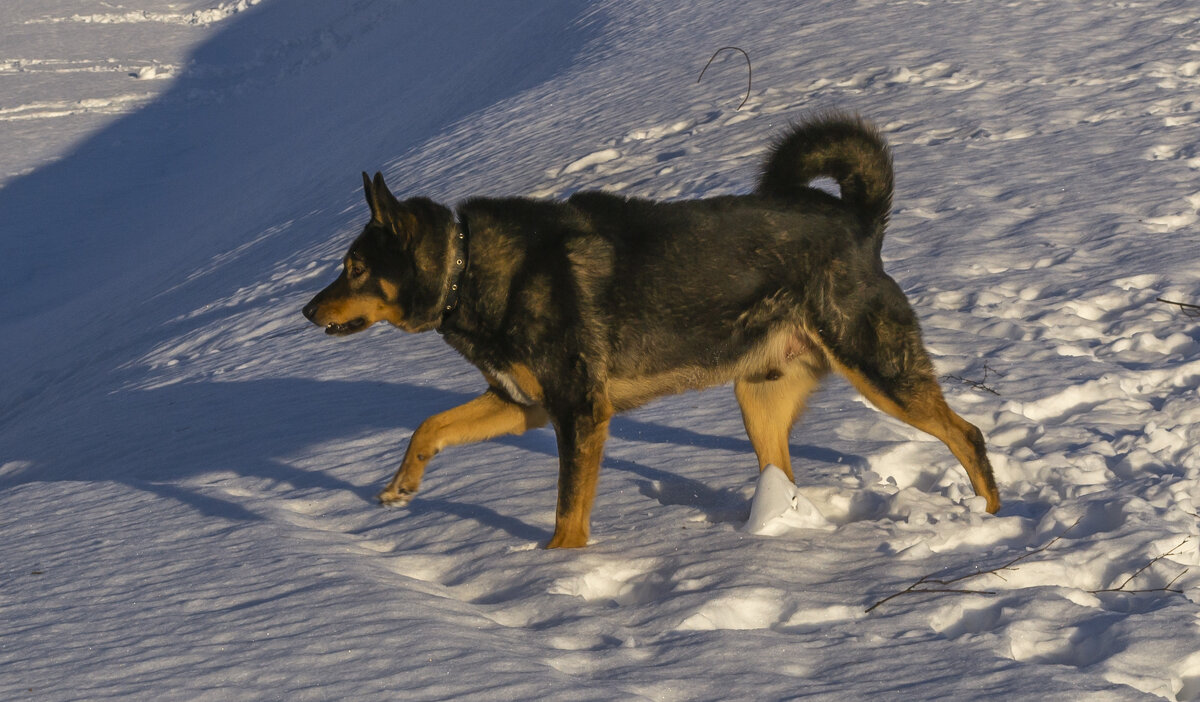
770, 406
921, 404
888, 365
485, 417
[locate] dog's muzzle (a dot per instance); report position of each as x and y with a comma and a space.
334, 328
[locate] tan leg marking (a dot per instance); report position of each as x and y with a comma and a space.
579, 471
770, 408
483, 418
926, 409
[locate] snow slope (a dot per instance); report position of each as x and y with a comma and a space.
187, 470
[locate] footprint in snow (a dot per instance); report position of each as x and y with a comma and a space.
590, 161
622, 583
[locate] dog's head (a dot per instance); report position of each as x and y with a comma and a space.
395, 271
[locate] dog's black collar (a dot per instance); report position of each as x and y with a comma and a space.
459, 266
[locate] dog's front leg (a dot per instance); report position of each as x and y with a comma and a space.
581, 432
486, 417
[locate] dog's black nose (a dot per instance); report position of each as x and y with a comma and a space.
309, 310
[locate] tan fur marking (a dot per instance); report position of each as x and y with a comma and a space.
577, 479
390, 290
770, 408
368, 307
628, 393
520, 384
522, 375
483, 418
790, 347
928, 411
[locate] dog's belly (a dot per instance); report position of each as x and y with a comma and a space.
779, 353
630, 392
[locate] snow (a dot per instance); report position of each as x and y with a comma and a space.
187, 469
779, 505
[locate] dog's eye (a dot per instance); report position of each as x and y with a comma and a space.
355, 270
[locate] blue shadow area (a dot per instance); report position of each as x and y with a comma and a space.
271, 122
279, 109
159, 439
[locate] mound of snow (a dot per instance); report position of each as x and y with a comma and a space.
778, 506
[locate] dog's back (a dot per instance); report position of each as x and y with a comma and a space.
700, 283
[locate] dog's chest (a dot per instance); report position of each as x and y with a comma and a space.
517, 382
506, 381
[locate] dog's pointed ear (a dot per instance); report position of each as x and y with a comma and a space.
372, 201
386, 209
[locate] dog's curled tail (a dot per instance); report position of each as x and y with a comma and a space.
840, 146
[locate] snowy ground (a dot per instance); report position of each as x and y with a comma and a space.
187, 472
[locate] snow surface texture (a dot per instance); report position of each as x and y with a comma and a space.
187, 471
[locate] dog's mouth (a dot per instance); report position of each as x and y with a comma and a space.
355, 325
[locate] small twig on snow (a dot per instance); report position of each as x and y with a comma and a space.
749, 71
979, 384
916, 588
1139, 571
1192, 311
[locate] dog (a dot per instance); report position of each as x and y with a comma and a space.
575, 310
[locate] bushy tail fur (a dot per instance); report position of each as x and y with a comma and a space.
840, 146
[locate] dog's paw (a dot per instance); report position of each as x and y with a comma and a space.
396, 498
566, 539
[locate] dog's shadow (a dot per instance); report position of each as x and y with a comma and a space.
717, 504
169, 440
227, 449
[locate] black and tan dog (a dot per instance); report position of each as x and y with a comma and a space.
580, 309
